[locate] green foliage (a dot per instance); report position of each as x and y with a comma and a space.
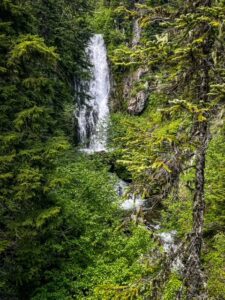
120, 268
29, 46
215, 187
172, 287
94, 250
214, 264
62, 234
144, 144
113, 24
38, 62
161, 148
214, 259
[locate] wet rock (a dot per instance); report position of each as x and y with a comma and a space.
138, 103
136, 91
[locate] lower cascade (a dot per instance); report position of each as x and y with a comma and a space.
135, 203
93, 114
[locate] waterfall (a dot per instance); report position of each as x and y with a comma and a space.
93, 114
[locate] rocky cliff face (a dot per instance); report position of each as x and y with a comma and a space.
132, 90
136, 91
136, 88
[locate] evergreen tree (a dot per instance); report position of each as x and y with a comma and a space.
186, 60
37, 70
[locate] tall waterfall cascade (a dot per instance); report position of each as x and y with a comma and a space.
93, 114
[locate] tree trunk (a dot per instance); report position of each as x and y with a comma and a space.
194, 276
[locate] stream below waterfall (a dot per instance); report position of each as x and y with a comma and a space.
134, 204
93, 122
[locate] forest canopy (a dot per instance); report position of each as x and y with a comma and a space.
64, 232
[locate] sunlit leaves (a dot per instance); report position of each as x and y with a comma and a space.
29, 46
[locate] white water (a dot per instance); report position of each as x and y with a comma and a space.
93, 115
130, 201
